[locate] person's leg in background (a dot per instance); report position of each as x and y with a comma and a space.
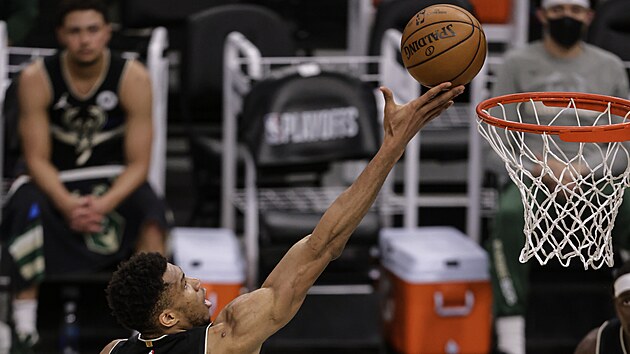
25, 315
152, 238
509, 276
23, 239
621, 230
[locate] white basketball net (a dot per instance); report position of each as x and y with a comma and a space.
571, 211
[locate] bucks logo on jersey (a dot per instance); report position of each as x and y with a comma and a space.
82, 125
107, 241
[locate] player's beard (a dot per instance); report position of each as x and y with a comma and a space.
199, 320
196, 317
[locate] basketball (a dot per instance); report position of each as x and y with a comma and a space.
443, 43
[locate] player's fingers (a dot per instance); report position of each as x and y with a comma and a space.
94, 227
84, 215
434, 92
78, 213
86, 225
441, 100
93, 218
96, 222
388, 95
77, 226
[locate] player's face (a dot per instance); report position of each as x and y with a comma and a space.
85, 35
187, 298
622, 307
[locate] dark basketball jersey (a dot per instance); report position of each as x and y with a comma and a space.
610, 338
190, 342
86, 130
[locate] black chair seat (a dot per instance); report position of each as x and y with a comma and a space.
327, 322
287, 227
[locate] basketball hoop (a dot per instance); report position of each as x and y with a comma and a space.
565, 152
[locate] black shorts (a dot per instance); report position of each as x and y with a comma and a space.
38, 242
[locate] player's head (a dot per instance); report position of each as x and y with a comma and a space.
83, 28
154, 297
565, 21
621, 292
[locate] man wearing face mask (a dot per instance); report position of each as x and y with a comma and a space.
561, 61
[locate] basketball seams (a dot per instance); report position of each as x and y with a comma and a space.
477, 52
472, 19
459, 9
448, 21
431, 24
445, 50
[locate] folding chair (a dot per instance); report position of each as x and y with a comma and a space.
295, 129
202, 86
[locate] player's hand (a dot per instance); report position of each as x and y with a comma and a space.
99, 205
69, 205
403, 122
81, 218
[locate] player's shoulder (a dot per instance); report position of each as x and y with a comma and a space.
135, 77
602, 53
34, 84
136, 70
33, 71
588, 344
109, 347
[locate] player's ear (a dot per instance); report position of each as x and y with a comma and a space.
168, 318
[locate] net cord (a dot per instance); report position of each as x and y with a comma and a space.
563, 220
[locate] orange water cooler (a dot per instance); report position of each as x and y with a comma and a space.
438, 293
493, 11
214, 256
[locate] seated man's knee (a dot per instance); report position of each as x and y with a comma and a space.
152, 238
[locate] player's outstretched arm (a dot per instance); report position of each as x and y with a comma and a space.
250, 319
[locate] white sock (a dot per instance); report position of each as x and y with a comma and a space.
511, 334
25, 318
5, 338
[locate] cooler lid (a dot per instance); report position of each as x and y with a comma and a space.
432, 254
212, 255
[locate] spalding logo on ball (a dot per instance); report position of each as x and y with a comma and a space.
443, 43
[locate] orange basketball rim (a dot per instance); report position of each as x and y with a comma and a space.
571, 192
600, 103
